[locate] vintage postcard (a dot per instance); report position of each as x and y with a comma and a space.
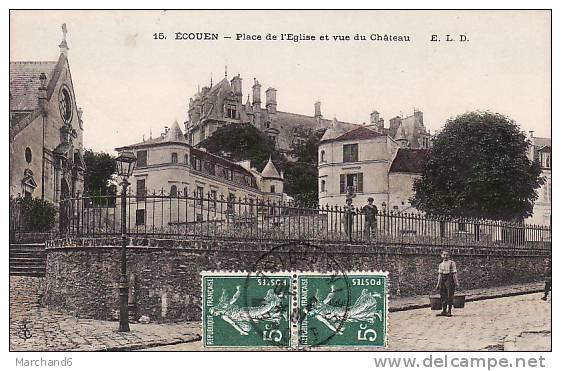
280, 181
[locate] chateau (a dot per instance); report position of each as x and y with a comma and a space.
46, 130
217, 105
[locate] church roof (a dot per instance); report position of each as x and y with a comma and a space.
270, 171
25, 83
408, 160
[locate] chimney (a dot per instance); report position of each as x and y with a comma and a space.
374, 117
271, 100
317, 108
237, 86
256, 95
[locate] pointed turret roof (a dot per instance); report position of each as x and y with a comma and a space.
174, 133
270, 171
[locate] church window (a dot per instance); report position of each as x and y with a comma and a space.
185, 191
231, 111
28, 155
173, 191
322, 156
142, 158
322, 185
350, 152
174, 158
186, 160
272, 189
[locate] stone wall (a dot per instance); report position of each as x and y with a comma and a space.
82, 275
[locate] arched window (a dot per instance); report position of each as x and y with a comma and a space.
174, 158
173, 191
323, 185
322, 156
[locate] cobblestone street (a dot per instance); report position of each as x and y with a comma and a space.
520, 322
51, 330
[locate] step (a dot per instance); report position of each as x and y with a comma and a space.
28, 269
28, 274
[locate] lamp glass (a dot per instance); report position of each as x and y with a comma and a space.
125, 164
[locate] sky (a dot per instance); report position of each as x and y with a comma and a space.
130, 84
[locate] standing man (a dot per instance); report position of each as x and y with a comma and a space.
370, 212
447, 283
547, 279
348, 212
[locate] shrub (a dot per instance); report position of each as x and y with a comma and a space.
37, 215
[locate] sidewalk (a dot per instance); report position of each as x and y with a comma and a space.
422, 301
55, 331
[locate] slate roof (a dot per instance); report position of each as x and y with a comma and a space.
25, 83
270, 171
358, 134
408, 160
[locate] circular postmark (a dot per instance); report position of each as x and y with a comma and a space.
312, 304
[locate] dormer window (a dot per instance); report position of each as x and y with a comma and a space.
231, 111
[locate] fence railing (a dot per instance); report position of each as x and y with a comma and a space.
160, 215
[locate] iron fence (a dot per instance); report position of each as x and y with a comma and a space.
212, 216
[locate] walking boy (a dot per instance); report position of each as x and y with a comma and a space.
370, 212
447, 283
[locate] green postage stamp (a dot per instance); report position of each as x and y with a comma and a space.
294, 310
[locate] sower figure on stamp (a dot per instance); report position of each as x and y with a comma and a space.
370, 212
547, 278
447, 283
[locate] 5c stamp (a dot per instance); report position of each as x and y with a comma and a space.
294, 309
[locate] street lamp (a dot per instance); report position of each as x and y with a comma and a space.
125, 166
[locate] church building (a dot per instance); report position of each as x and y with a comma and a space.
46, 130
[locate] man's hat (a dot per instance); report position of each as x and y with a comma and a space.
370, 199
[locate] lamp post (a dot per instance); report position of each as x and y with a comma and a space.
125, 166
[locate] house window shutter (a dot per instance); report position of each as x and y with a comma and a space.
359, 182
342, 183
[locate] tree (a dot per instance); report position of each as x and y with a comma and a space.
100, 170
239, 142
478, 167
301, 177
